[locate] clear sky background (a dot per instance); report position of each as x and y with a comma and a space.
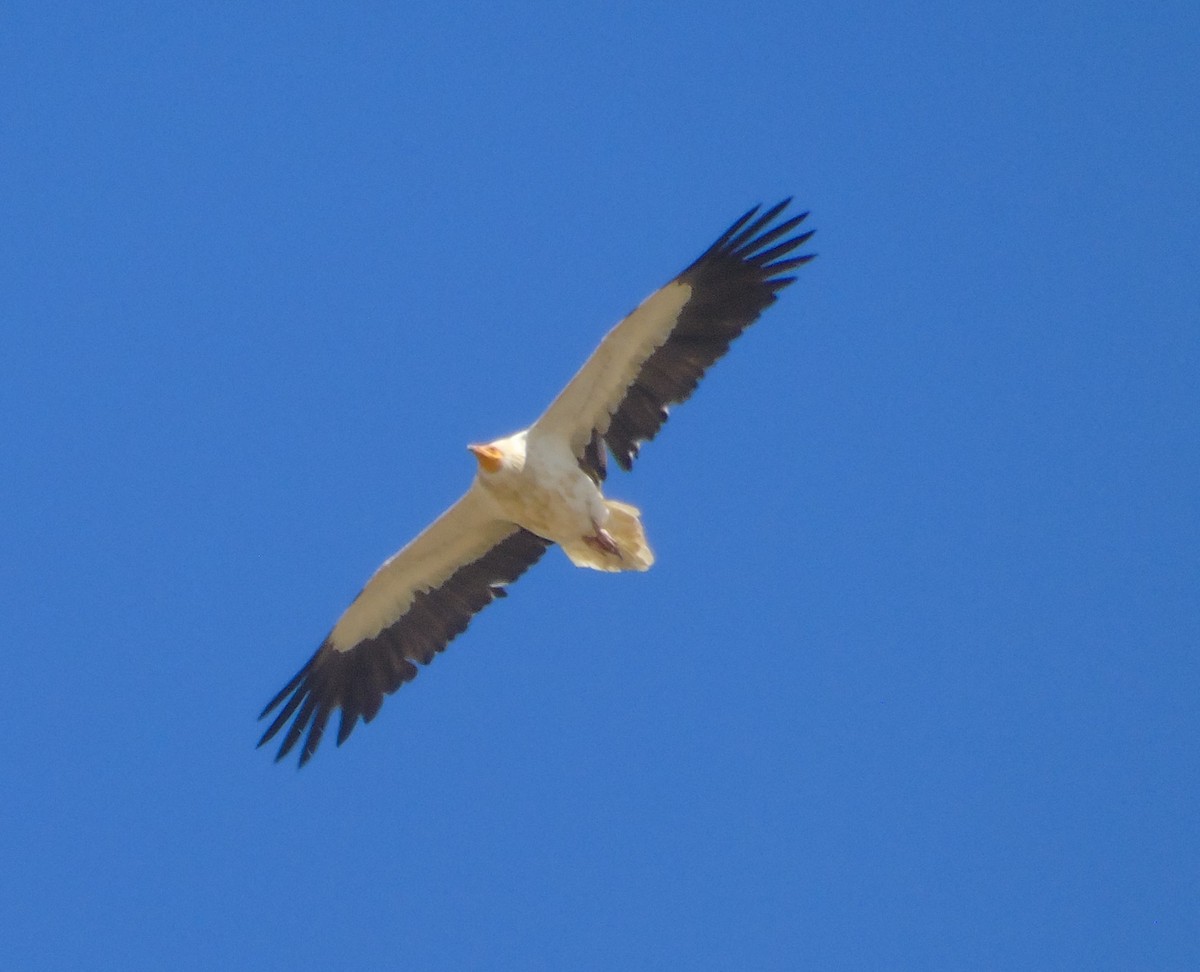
915, 680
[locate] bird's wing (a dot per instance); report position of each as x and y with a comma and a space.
410, 610
657, 355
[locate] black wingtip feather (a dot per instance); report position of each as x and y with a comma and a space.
764, 257
283, 692
725, 237
296, 729
287, 710
751, 231
763, 239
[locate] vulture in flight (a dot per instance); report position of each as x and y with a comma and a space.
543, 485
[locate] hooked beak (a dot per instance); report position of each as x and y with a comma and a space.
490, 458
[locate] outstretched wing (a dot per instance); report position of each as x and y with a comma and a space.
409, 611
657, 355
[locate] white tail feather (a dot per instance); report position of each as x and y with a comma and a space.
626, 530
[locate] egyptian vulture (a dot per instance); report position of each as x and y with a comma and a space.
543, 485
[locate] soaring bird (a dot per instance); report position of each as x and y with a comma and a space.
543, 485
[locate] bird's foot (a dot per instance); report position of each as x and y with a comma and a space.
602, 540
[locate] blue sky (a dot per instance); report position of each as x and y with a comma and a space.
914, 682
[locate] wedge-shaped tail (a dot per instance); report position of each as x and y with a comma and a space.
626, 529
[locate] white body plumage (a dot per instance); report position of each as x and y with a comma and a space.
536, 481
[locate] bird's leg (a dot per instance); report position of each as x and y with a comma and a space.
602, 540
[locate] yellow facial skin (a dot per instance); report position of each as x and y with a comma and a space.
490, 458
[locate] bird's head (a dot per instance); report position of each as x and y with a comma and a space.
502, 455
490, 457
